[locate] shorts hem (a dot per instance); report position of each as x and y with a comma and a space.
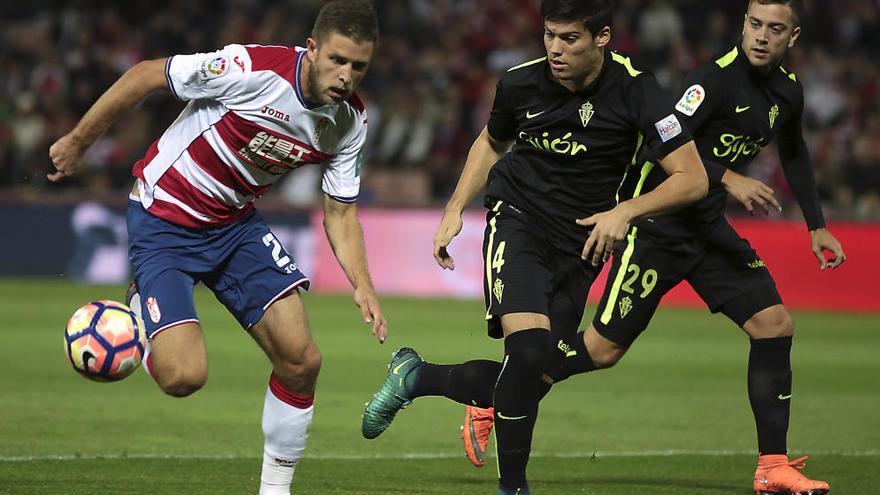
743, 306
624, 341
171, 325
279, 295
284, 292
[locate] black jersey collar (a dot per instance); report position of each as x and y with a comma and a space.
551, 85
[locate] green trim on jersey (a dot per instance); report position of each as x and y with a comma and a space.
728, 59
627, 254
526, 64
626, 62
489, 251
789, 74
632, 163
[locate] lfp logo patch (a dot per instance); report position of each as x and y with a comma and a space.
215, 67
691, 100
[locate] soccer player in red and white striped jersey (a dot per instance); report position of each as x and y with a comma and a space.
254, 113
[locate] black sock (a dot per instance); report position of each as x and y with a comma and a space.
574, 364
526, 355
543, 389
770, 392
471, 383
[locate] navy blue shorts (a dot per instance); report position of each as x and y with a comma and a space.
243, 264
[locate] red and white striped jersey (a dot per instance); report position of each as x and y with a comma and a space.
245, 126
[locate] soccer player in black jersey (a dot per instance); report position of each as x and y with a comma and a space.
576, 120
734, 106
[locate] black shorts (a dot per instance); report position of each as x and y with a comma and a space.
722, 268
526, 273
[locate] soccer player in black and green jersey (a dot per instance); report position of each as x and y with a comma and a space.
734, 106
576, 120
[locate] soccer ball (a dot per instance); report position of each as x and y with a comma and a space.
104, 341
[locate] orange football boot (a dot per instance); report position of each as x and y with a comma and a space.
475, 433
776, 475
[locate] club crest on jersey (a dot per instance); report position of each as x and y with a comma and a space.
774, 112
153, 309
498, 289
691, 100
320, 127
586, 113
210, 69
626, 305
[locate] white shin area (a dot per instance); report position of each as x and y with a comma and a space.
285, 429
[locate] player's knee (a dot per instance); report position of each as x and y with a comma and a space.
773, 325
785, 328
552, 358
311, 363
531, 351
606, 358
182, 383
302, 366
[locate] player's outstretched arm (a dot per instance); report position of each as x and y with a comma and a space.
797, 166
483, 154
138, 82
687, 183
346, 237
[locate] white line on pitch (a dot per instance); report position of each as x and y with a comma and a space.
426, 455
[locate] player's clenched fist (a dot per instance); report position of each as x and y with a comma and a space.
66, 155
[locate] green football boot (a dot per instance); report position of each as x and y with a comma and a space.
395, 393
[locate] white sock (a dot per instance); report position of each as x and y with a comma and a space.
135, 305
286, 419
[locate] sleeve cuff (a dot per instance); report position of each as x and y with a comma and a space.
168, 78
344, 199
714, 171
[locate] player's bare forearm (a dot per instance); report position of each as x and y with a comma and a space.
482, 156
138, 82
686, 184
484, 153
347, 241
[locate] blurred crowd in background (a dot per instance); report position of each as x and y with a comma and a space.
429, 90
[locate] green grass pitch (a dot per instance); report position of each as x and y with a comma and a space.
671, 418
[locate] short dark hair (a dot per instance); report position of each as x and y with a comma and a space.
355, 19
797, 7
595, 14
